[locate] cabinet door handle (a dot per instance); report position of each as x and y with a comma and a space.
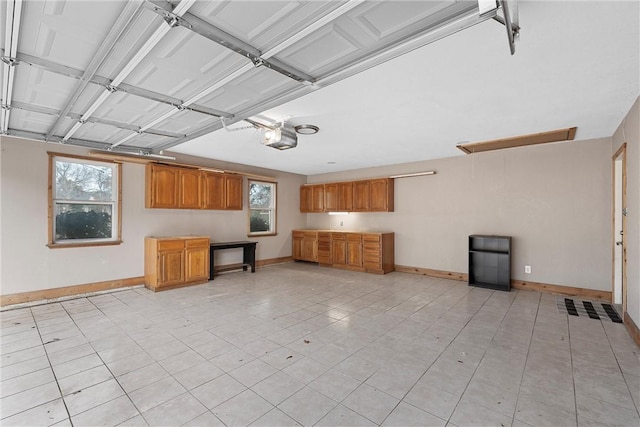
162, 269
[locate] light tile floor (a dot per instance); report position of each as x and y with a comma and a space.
300, 344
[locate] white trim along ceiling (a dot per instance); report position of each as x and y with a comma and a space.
146, 76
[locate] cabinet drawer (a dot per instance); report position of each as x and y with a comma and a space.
366, 237
197, 243
323, 245
372, 264
310, 234
373, 246
338, 236
170, 244
297, 233
353, 237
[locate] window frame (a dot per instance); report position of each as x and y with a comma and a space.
274, 202
116, 214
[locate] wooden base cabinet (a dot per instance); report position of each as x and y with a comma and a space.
370, 252
172, 262
305, 245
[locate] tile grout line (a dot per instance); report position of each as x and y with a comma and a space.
524, 368
101, 359
444, 350
55, 377
483, 356
622, 373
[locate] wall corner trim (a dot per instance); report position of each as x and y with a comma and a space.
47, 294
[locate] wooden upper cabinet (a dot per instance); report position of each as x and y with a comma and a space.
305, 198
317, 198
331, 195
381, 195
213, 189
233, 188
367, 195
189, 189
345, 196
361, 196
175, 187
162, 183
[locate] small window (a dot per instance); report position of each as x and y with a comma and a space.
84, 202
262, 208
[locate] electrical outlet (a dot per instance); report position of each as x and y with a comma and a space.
341, 224
527, 269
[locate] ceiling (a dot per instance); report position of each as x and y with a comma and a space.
365, 72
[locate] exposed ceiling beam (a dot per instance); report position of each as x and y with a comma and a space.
128, 15
557, 135
64, 70
53, 112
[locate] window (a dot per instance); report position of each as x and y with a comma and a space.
84, 202
262, 208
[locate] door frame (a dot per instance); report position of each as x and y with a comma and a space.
620, 155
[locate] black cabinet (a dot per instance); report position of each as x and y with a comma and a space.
490, 262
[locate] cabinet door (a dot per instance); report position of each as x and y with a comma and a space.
345, 196
317, 198
361, 196
305, 198
170, 267
233, 189
196, 264
354, 250
310, 246
297, 247
331, 194
338, 248
162, 187
381, 195
213, 196
189, 193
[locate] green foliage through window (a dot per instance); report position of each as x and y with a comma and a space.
262, 207
84, 200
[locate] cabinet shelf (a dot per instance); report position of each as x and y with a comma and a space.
490, 262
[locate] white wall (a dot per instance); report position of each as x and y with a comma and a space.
554, 199
629, 132
27, 264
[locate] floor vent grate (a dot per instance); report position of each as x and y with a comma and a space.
591, 309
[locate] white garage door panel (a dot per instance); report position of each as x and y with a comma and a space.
263, 24
131, 109
130, 43
365, 30
100, 132
37, 86
185, 121
182, 64
258, 84
30, 121
63, 31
